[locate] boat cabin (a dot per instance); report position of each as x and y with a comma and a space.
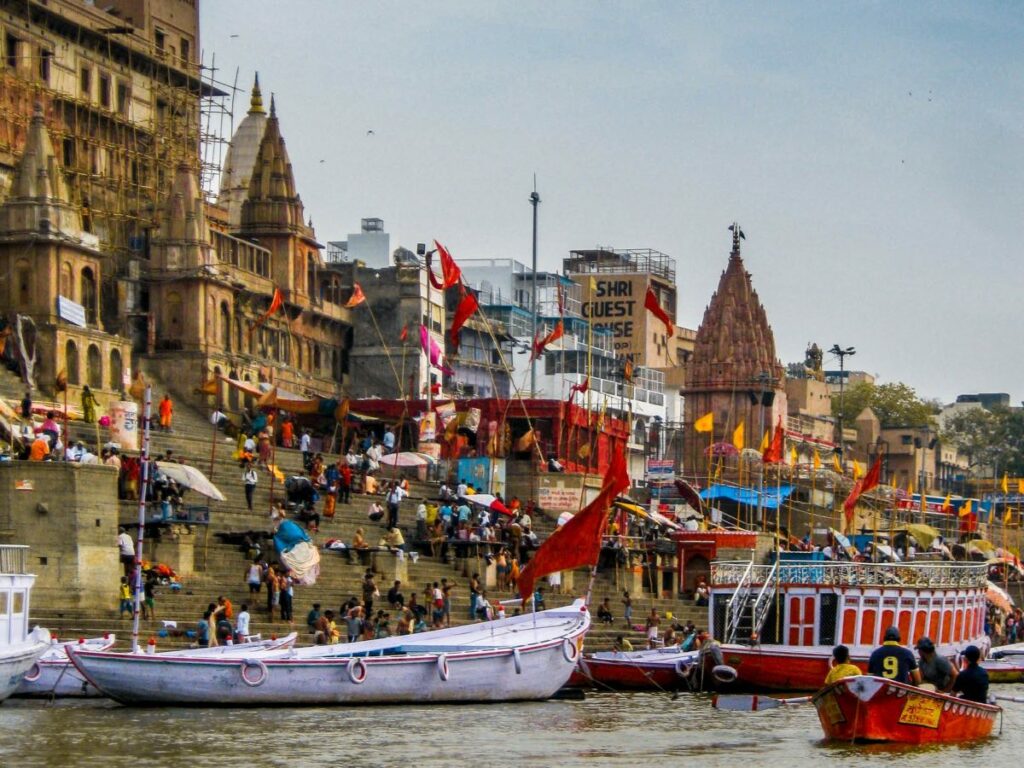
823, 603
15, 586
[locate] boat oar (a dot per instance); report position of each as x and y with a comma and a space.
735, 702
1014, 699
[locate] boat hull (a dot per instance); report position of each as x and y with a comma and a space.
873, 709
16, 660
639, 671
429, 668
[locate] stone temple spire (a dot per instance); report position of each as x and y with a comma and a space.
184, 230
256, 100
272, 202
38, 201
241, 157
734, 343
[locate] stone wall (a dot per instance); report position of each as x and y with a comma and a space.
67, 514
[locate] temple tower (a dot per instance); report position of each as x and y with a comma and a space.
734, 373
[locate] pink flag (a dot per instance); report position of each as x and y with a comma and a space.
433, 351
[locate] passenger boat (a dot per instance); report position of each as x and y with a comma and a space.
778, 623
53, 675
19, 648
525, 657
869, 708
657, 669
1005, 664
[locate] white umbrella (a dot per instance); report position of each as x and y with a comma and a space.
407, 459
487, 501
188, 476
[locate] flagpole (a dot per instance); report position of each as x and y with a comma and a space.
144, 482
65, 456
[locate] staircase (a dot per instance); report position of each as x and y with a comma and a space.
220, 568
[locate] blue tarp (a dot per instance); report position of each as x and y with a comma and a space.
772, 499
288, 535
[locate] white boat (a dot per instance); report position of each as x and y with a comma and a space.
53, 675
526, 657
19, 648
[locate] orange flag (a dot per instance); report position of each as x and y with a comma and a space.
467, 306
773, 455
209, 387
540, 344
865, 484
357, 297
275, 304
578, 542
450, 272
61, 383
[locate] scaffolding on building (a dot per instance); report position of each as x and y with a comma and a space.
606, 260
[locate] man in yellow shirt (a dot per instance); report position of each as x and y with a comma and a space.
842, 667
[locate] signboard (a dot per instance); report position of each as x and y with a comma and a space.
124, 424
428, 429
921, 710
616, 303
71, 311
560, 495
661, 468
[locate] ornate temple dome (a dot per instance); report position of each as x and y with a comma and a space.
735, 343
241, 157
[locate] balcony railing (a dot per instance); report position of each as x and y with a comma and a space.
13, 558
956, 576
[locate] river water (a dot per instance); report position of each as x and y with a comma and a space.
607, 729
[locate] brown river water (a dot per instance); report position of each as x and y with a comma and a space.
607, 729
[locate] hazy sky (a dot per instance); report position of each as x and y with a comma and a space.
873, 152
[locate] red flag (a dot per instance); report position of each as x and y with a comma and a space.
450, 272
540, 344
651, 303
773, 453
865, 484
405, 333
581, 388
467, 306
275, 304
357, 297
627, 371
578, 542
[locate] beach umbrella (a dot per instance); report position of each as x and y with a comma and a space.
998, 597
981, 546
923, 534
407, 459
189, 477
487, 501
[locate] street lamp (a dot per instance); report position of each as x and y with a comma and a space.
534, 201
766, 399
841, 353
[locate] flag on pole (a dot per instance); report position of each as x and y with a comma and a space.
738, 437
1020, 487
965, 510
651, 303
910, 487
467, 306
450, 272
1008, 515
357, 297
835, 463
276, 302
764, 442
862, 486
539, 344
817, 459
1006, 483
945, 504
794, 457
578, 542
405, 333
208, 387
857, 471
705, 423
773, 455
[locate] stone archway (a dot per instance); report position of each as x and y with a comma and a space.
94, 367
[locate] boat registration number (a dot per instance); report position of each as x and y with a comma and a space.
832, 710
921, 710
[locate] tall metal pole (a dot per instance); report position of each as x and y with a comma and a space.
841, 353
144, 482
763, 376
534, 201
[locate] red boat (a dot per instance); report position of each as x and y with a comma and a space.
659, 669
875, 709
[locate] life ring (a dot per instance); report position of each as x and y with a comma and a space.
723, 673
683, 667
33, 674
569, 651
517, 661
442, 667
357, 671
251, 682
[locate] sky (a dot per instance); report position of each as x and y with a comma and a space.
872, 152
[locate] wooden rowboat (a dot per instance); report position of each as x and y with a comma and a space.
649, 670
868, 708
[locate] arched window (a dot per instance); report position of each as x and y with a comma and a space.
88, 299
173, 329
71, 362
67, 281
311, 274
94, 367
225, 326
116, 370
22, 284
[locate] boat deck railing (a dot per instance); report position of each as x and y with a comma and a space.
13, 558
948, 575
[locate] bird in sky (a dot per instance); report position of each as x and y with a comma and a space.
370, 133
